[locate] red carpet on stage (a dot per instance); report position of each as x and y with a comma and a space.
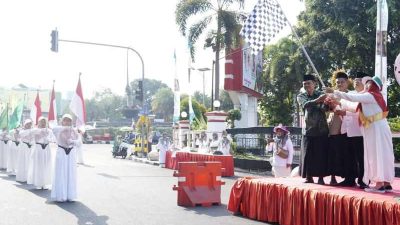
289, 201
226, 161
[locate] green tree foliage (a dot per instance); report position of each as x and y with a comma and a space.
336, 34
219, 11
226, 102
151, 87
198, 96
104, 105
162, 104
198, 109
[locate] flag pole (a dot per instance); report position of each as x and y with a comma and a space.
302, 46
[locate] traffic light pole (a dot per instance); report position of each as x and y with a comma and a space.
123, 47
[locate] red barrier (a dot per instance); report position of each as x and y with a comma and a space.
226, 161
199, 183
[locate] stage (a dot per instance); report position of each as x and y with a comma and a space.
289, 201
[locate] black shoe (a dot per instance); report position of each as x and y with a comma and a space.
347, 183
388, 188
321, 181
309, 181
362, 185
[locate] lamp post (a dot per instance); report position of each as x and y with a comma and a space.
216, 104
204, 86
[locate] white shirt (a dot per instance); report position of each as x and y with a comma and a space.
350, 124
277, 160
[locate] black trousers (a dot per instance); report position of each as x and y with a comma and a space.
356, 145
314, 158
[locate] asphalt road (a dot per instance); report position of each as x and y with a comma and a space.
111, 191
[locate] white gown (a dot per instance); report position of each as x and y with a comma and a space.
224, 146
64, 187
24, 155
41, 164
163, 145
4, 149
12, 156
378, 146
203, 147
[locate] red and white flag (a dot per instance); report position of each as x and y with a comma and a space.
77, 106
52, 117
36, 110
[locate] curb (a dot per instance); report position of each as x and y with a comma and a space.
145, 161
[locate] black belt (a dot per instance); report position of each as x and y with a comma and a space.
16, 142
43, 145
5, 141
28, 144
67, 150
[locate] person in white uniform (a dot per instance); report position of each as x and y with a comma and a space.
12, 156
64, 185
378, 146
163, 145
24, 151
41, 161
282, 156
203, 144
4, 148
224, 145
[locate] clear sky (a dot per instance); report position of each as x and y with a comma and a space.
145, 25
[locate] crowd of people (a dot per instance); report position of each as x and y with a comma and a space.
346, 133
26, 154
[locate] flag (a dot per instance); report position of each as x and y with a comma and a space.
382, 18
4, 118
36, 110
265, 21
177, 95
16, 116
52, 116
77, 105
191, 111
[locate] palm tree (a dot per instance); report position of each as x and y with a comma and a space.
227, 26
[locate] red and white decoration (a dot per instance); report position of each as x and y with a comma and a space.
78, 107
36, 110
52, 117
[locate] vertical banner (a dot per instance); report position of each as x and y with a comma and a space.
382, 17
177, 95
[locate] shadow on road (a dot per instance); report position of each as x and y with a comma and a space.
85, 215
108, 176
213, 211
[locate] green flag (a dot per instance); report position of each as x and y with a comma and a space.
4, 118
15, 118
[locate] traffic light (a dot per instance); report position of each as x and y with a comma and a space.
139, 91
54, 40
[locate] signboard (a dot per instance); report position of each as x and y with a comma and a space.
252, 70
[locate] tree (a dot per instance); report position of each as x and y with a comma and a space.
226, 102
198, 109
104, 105
162, 104
227, 25
150, 87
198, 96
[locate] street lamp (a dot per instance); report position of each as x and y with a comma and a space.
216, 104
183, 114
204, 87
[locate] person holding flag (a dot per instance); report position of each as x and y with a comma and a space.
64, 186
12, 157
4, 148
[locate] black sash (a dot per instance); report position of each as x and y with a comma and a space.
67, 150
28, 144
43, 145
5, 141
16, 142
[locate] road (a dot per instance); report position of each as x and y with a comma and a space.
111, 191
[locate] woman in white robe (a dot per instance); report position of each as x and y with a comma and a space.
64, 187
281, 166
163, 146
24, 151
41, 161
12, 156
4, 148
224, 145
378, 146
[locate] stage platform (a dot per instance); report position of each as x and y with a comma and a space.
289, 201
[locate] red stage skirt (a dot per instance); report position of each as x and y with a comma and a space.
226, 161
289, 201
